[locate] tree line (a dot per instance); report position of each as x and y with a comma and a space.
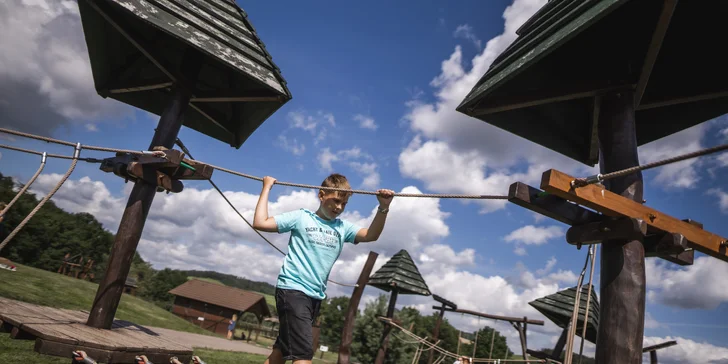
53, 233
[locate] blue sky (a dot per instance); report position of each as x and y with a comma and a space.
374, 87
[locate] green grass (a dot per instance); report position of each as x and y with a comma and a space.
52, 289
21, 351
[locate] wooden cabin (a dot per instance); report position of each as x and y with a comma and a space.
211, 305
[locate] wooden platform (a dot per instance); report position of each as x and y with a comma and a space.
59, 332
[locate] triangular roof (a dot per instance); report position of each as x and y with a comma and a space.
400, 273
559, 306
223, 296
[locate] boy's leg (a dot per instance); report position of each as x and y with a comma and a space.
295, 314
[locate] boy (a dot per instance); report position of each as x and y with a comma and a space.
316, 241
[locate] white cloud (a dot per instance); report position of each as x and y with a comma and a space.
678, 288
682, 174
686, 351
534, 235
291, 145
465, 31
353, 159
549, 265
454, 153
366, 122
722, 198
45, 75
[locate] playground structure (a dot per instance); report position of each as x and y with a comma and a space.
77, 270
533, 89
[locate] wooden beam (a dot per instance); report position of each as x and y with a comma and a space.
535, 98
607, 229
550, 205
237, 99
347, 332
682, 100
668, 8
494, 317
144, 87
611, 204
666, 344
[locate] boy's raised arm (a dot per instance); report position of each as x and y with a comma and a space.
261, 221
375, 228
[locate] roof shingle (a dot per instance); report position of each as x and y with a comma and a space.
223, 296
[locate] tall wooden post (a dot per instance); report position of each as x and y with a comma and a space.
347, 332
436, 332
140, 200
622, 310
387, 328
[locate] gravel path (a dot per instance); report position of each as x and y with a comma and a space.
210, 342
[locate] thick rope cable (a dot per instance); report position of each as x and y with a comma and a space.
588, 302
48, 155
568, 356
580, 182
45, 199
240, 174
25, 186
187, 152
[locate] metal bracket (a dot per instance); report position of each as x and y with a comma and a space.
159, 167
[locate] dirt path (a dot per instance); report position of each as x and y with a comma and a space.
210, 342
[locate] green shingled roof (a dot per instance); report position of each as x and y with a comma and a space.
559, 306
135, 44
543, 87
400, 273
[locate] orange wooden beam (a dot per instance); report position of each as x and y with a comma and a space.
611, 204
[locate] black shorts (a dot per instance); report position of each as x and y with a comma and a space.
296, 314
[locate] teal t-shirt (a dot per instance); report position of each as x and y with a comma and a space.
313, 248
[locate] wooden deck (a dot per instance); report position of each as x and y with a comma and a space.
59, 332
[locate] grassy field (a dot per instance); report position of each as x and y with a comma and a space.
51, 289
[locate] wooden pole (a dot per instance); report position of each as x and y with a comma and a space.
347, 332
140, 200
387, 328
622, 307
436, 333
653, 357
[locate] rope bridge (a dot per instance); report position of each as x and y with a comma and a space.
447, 354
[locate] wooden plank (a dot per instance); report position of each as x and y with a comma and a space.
54, 348
608, 203
549, 205
666, 344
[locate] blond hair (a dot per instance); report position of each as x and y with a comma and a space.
336, 180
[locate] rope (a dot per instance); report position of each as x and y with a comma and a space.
70, 144
45, 199
446, 353
187, 152
588, 301
581, 182
25, 186
575, 312
290, 184
30, 151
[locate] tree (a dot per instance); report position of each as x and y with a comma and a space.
333, 315
156, 288
368, 334
482, 349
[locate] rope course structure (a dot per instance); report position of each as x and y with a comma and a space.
447, 354
577, 182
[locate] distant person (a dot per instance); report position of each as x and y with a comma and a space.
315, 243
231, 326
